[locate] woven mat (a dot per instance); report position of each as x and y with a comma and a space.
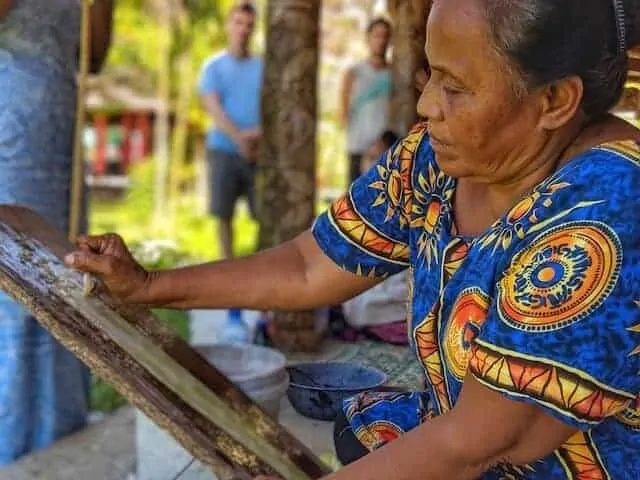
396, 361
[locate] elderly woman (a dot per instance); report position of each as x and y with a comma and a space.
515, 207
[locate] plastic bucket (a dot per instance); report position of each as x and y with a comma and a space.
258, 371
269, 398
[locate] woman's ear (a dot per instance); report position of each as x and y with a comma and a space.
560, 101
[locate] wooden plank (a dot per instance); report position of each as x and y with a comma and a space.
154, 369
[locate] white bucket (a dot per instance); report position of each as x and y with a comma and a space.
258, 371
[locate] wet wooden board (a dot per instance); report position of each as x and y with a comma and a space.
146, 362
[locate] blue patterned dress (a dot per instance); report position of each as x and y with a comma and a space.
542, 307
43, 388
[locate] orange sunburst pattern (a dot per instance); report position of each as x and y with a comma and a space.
395, 185
426, 334
433, 193
523, 217
377, 434
467, 316
556, 386
351, 225
564, 275
428, 349
580, 459
454, 255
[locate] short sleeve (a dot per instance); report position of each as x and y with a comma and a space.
209, 82
563, 329
366, 231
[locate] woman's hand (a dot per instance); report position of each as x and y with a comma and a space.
108, 257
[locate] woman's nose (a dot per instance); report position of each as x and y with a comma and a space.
429, 103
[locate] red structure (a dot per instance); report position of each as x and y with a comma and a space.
119, 127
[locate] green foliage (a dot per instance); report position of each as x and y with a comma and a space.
192, 233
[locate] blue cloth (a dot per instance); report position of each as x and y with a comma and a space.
540, 308
237, 83
43, 387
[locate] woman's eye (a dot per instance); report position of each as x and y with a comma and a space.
449, 90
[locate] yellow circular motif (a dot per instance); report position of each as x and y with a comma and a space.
565, 274
468, 314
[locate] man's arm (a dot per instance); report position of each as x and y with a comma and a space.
101, 31
245, 139
5, 7
345, 104
484, 429
212, 104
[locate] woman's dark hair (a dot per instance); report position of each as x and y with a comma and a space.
379, 21
244, 7
389, 138
548, 40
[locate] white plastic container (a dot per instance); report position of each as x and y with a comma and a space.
258, 371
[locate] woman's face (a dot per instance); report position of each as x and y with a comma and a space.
478, 125
379, 39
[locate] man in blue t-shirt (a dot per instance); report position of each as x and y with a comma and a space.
230, 89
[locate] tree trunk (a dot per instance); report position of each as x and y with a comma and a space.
410, 27
286, 173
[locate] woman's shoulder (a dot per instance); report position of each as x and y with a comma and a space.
596, 191
612, 168
624, 152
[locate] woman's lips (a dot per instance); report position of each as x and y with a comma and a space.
438, 144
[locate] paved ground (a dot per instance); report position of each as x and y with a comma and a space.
104, 451
107, 450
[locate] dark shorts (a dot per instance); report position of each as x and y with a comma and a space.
354, 166
230, 177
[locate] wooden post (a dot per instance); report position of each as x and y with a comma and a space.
410, 30
286, 168
143, 126
125, 148
101, 125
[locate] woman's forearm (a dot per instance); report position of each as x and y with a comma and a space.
293, 276
421, 454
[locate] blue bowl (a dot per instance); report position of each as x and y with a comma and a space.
317, 389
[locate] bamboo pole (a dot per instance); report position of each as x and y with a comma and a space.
77, 174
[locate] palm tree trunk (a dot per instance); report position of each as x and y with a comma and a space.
410, 30
286, 168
